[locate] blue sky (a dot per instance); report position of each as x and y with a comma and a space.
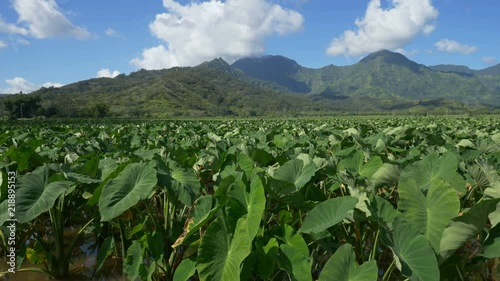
57, 42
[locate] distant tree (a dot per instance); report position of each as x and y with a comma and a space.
51, 110
23, 106
2, 110
100, 110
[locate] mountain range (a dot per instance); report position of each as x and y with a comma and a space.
383, 75
383, 81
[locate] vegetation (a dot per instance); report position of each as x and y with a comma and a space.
383, 82
383, 75
100, 110
22, 106
325, 199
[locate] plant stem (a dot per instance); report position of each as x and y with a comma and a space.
167, 221
388, 273
123, 238
60, 266
374, 249
359, 242
166, 212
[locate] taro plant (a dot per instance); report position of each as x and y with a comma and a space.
39, 192
340, 199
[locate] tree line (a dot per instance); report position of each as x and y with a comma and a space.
20, 106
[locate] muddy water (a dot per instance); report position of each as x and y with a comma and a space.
81, 268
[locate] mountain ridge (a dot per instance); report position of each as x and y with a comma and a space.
380, 74
381, 82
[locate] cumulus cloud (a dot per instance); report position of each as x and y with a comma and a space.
42, 19
201, 31
450, 46
489, 60
105, 72
19, 84
386, 28
3, 44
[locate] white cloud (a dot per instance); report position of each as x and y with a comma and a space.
450, 46
489, 60
43, 19
22, 41
11, 28
382, 28
105, 72
3, 44
19, 84
201, 31
406, 53
50, 84
156, 58
111, 32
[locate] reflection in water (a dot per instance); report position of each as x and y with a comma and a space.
82, 268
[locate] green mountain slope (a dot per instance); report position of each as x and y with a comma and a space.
383, 75
210, 89
493, 70
459, 69
272, 85
278, 69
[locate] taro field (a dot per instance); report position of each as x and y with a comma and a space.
389, 198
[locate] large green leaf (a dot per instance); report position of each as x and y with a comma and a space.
491, 248
134, 183
266, 256
185, 270
36, 194
493, 190
386, 175
185, 185
220, 255
256, 203
495, 216
293, 239
342, 266
415, 258
294, 254
96, 195
246, 164
251, 204
382, 211
430, 213
280, 189
356, 163
486, 176
432, 168
463, 228
294, 171
204, 208
328, 213
104, 252
295, 263
132, 263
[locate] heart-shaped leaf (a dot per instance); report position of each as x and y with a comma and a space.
134, 183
